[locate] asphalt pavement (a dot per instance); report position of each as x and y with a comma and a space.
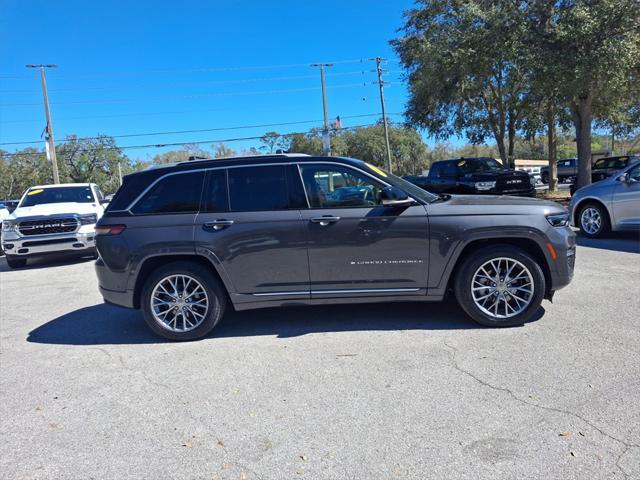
337, 392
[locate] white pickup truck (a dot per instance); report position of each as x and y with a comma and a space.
52, 219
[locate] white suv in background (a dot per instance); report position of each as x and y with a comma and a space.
52, 219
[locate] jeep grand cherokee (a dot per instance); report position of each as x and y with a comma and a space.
186, 241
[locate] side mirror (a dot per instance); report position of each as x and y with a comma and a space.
624, 178
394, 197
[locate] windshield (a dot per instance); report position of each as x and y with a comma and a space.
614, 162
39, 196
401, 183
479, 165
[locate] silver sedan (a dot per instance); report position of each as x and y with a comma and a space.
612, 204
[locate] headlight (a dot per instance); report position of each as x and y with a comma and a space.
8, 226
485, 185
558, 219
88, 219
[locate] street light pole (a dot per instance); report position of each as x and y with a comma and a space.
51, 151
326, 140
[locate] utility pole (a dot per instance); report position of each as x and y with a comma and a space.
51, 150
326, 139
120, 172
379, 70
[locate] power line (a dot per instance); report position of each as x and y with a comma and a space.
203, 95
191, 70
191, 84
175, 144
201, 130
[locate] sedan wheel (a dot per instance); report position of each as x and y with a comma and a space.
594, 221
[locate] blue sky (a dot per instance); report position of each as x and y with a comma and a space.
148, 66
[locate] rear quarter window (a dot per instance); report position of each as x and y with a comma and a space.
177, 193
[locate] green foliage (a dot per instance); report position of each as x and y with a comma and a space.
79, 161
463, 59
408, 152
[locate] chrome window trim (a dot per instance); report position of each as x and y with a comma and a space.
144, 192
270, 164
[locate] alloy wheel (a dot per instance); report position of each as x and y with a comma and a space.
591, 220
502, 287
179, 303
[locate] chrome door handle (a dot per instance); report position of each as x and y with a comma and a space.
217, 224
324, 221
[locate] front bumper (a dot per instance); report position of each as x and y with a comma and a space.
563, 243
23, 246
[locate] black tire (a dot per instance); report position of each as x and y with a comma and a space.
471, 264
545, 178
16, 262
605, 225
215, 292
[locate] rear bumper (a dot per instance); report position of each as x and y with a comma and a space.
113, 286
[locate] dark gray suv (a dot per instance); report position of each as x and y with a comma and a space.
186, 241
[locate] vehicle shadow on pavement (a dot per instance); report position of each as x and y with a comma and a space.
107, 324
45, 262
628, 242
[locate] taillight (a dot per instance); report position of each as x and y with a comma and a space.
110, 230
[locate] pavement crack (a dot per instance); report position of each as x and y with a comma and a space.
627, 445
143, 374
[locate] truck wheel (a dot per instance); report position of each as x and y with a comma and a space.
182, 301
593, 220
16, 262
545, 178
500, 286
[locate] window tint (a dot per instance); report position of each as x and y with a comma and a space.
446, 169
215, 197
178, 193
330, 186
258, 188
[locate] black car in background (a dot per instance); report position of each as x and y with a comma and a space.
482, 175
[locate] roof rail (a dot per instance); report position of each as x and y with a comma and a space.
240, 157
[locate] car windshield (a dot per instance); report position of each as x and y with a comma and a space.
479, 165
401, 183
615, 162
39, 196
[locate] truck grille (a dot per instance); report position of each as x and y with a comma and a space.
513, 184
48, 226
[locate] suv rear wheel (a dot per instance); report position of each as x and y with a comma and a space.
182, 301
16, 262
500, 286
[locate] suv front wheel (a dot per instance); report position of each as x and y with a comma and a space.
500, 286
182, 301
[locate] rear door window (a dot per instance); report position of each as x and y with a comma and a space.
178, 193
261, 188
215, 197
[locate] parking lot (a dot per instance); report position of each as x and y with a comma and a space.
339, 392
